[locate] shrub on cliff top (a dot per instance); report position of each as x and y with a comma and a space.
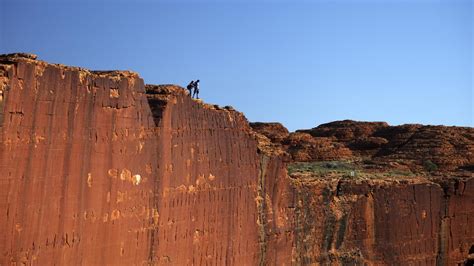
430, 166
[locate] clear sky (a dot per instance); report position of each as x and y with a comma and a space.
301, 63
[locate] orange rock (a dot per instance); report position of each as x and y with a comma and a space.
129, 174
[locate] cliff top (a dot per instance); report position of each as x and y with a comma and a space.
27, 57
163, 90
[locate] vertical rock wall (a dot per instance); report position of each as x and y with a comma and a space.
76, 156
206, 187
383, 223
276, 212
457, 221
92, 175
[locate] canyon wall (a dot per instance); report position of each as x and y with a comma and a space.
78, 153
389, 207
98, 168
206, 183
383, 222
92, 175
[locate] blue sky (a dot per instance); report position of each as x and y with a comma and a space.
301, 63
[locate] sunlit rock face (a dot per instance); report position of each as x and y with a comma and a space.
96, 172
98, 168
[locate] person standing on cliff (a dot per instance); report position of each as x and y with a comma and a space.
190, 87
196, 89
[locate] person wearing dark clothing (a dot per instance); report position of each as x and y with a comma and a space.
196, 89
190, 87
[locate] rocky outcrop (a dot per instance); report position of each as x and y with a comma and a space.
347, 130
276, 132
449, 148
98, 168
303, 148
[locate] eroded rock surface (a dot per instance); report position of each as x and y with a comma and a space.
99, 169
78, 157
450, 148
96, 171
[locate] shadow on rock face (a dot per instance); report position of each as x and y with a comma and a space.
470, 257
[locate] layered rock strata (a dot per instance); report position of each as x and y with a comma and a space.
450, 148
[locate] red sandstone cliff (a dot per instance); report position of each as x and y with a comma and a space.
97, 168
372, 200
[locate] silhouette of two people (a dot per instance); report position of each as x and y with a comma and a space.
193, 88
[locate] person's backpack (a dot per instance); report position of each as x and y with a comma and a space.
190, 85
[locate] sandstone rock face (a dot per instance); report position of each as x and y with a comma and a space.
450, 148
274, 131
347, 130
97, 168
303, 147
383, 222
94, 171
206, 183
78, 156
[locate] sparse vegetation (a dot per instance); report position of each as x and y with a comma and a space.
401, 173
324, 167
430, 166
346, 170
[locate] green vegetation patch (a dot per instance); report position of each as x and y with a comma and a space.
400, 173
323, 168
430, 166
